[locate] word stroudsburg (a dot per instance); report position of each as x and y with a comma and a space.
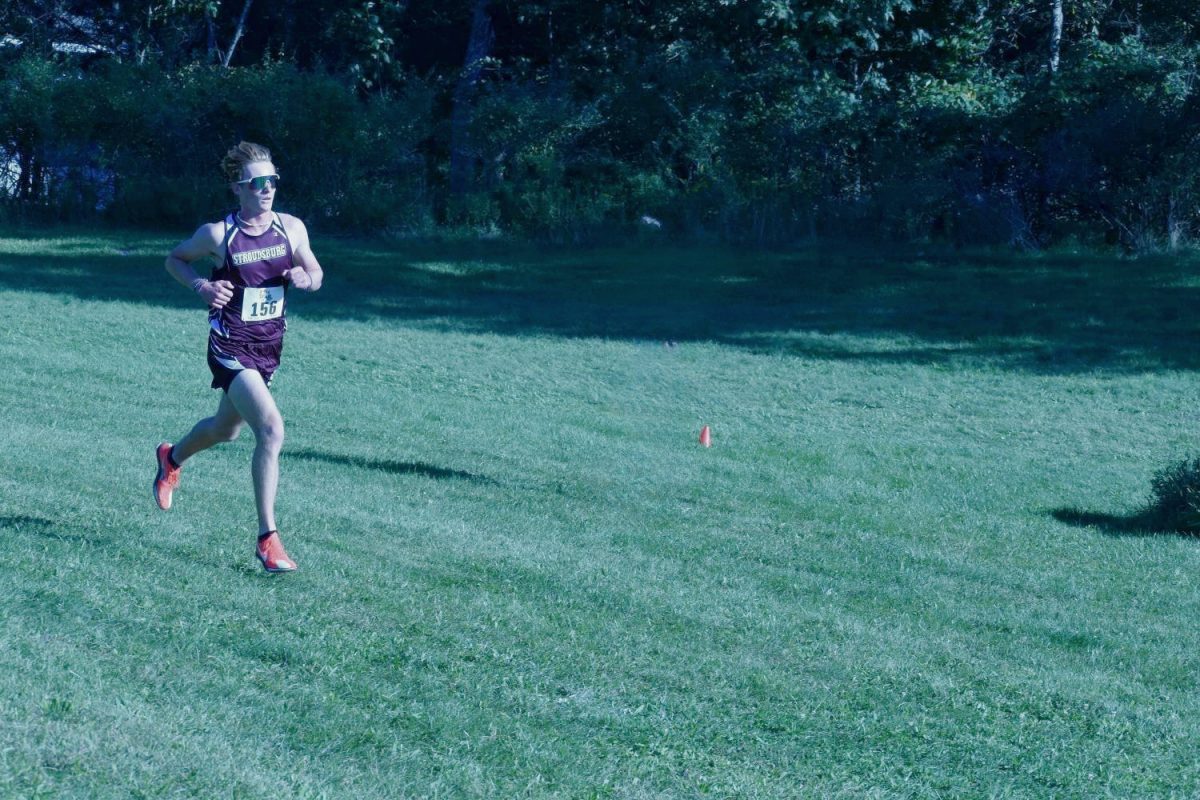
266, 253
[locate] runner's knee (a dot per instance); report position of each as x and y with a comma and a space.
270, 431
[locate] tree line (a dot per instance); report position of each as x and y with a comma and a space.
761, 121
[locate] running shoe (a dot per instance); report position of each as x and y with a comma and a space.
272, 555
167, 478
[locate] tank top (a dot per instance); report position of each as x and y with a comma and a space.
255, 266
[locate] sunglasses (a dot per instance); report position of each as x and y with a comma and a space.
261, 182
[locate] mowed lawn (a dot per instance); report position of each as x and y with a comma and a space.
907, 567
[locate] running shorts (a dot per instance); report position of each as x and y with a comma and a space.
226, 359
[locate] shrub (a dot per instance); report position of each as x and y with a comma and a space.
1175, 500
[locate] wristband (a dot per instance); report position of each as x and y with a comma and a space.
196, 284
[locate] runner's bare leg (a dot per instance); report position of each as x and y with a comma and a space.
252, 399
224, 426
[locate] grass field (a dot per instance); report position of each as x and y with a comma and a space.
906, 567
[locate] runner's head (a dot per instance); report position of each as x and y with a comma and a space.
252, 176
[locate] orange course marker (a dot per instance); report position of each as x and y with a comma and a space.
706, 436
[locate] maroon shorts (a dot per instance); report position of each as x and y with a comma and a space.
226, 359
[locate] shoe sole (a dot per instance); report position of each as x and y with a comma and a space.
273, 570
154, 494
154, 486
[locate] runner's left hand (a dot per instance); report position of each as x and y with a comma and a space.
299, 278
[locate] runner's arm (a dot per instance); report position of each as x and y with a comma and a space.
203, 243
307, 274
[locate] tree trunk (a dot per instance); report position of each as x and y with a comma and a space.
1056, 26
25, 176
37, 179
478, 48
1175, 225
237, 35
214, 55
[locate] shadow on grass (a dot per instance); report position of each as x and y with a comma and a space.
251, 570
390, 467
1054, 313
45, 528
1142, 523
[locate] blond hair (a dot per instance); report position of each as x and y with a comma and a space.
239, 156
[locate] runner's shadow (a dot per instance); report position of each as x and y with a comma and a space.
45, 528
392, 467
1138, 524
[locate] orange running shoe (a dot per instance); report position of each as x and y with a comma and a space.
272, 555
167, 478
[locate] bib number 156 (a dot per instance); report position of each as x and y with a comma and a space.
262, 304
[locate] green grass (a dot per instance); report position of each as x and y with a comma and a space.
906, 568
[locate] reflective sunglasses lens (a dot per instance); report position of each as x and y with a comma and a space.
261, 182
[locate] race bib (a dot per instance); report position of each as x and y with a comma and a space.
262, 304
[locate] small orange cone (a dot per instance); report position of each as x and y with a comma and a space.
706, 436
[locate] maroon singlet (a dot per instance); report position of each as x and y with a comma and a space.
255, 265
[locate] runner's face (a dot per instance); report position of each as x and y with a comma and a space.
254, 201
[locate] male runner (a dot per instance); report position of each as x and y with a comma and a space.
256, 253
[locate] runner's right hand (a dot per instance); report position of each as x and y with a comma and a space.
217, 293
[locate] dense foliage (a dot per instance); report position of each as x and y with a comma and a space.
762, 120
